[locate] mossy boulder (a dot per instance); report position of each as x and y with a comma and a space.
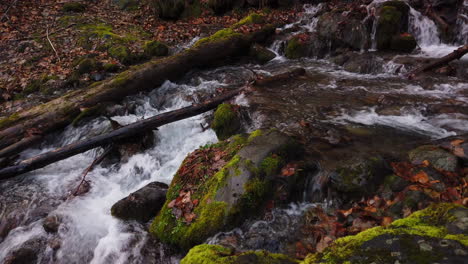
169, 9
236, 191
261, 54
392, 21
87, 65
403, 43
126, 4
335, 32
437, 158
226, 121
74, 7
253, 18
297, 47
437, 234
359, 176
155, 48
122, 53
214, 254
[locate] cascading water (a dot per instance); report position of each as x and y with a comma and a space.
88, 233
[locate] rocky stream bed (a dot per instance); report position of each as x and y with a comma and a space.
345, 161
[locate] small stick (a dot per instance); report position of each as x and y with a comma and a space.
52, 45
95, 162
8, 9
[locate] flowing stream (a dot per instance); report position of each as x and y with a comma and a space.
89, 234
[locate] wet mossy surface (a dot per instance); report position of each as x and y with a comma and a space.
407, 235
74, 7
238, 190
155, 48
214, 254
226, 121
295, 48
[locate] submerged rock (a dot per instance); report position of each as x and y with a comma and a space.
143, 204
51, 223
261, 54
220, 185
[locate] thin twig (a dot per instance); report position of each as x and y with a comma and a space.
8, 9
95, 162
52, 45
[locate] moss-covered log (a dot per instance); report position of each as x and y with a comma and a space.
61, 111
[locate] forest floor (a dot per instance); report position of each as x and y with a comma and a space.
44, 41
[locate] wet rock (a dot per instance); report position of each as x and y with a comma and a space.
298, 46
392, 21
437, 157
226, 121
419, 238
51, 223
218, 254
126, 4
155, 48
403, 43
169, 9
143, 204
359, 177
239, 188
363, 63
28, 252
220, 6
261, 54
413, 200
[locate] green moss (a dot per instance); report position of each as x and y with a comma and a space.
74, 7
429, 222
255, 134
295, 49
155, 48
220, 35
226, 121
195, 9
121, 53
33, 86
87, 65
214, 254
111, 67
270, 165
387, 26
7, 121
253, 18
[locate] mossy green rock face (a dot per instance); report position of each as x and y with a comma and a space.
261, 54
226, 121
437, 157
214, 254
359, 176
392, 20
296, 48
123, 54
403, 43
437, 234
155, 48
237, 191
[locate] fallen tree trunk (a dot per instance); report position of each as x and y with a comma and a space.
151, 123
60, 112
455, 55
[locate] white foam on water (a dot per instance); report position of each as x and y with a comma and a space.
88, 232
415, 122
